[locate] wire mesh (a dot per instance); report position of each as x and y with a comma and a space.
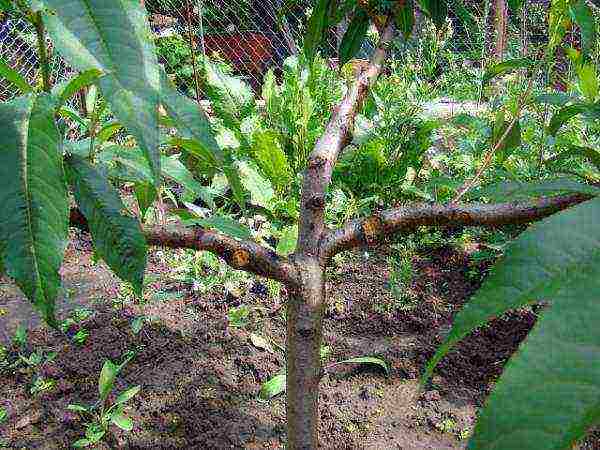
251, 36
18, 49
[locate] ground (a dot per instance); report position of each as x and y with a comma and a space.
200, 376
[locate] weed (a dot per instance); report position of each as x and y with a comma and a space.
238, 317
103, 413
41, 384
81, 336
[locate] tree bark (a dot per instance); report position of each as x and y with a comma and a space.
305, 311
408, 218
501, 28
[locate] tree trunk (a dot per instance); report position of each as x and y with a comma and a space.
304, 335
501, 28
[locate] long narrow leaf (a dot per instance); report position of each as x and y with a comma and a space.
354, 36
84, 79
117, 237
549, 393
14, 77
537, 266
114, 37
317, 25
33, 194
506, 67
567, 113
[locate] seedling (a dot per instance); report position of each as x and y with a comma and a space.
276, 385
41, 384
77, 316
81, 336
103, 413
238, 317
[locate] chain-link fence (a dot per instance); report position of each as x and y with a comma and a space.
249, 35
18, 50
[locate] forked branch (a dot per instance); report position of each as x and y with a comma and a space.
242, 255
325, 154
407, 218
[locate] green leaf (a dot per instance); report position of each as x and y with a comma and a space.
368, 360
567, 113
135, 167
554, 418
127, 395
317, 25
515, 5
80, 443
271, 159
14, 77
582, 15
234, 180
114, 37
549, 394
137, 110
34, 215
536, 266
77, 408
231, 98
145, 194
70, 113
123, 422
261, 190
238, 317
3, 415
354, 36
7, 6
94, 433
107, 132
225, 225
273, 387
82, 80
506, 67
288, 241
107, 377
555, 99
173, 168
271, 93
511, 139
593, 156
437, 10
405, 18
117, 237
516, 190
190, 120
588, 81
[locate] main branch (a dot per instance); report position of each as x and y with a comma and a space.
408, 218
242, 255
324, 156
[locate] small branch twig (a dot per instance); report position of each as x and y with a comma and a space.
40, 32
193, 51
368, 231
470, 184
324, 156
241, 255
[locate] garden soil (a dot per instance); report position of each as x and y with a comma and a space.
200, 377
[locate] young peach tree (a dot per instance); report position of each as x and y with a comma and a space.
550, 392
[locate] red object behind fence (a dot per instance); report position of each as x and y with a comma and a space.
248, 53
